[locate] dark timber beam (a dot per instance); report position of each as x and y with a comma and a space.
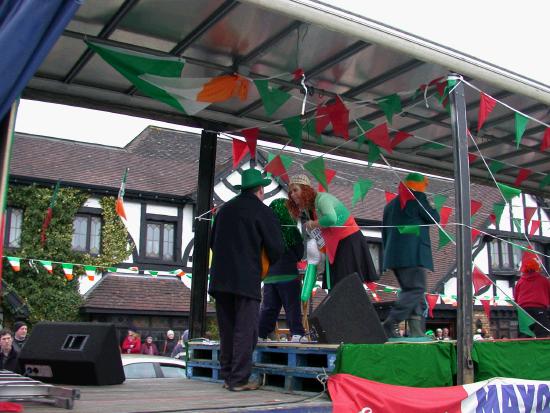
201, 242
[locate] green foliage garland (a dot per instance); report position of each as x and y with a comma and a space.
50, 296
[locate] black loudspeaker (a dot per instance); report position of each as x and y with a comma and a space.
346, 315
73, 353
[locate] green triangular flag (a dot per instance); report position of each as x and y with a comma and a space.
439, 200
495, 167
293, 127
390, 105
272, 99
545, 181
525, 321
521, 124
360, 189
444, 238
309, 129
517, 224
374, 153
287, 161
409, 229
433, 145
317, 169
362, 127
498, 209
508, 192
111, 269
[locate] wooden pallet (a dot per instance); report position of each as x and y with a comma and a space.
292, 367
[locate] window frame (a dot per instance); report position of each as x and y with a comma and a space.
9, 212
161, 220
89, 213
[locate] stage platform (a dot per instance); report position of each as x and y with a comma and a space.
183, 395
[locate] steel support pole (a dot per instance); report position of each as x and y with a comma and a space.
201, 243
465, 371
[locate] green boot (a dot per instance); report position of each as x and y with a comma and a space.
416, 326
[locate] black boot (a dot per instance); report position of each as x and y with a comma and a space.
391, 328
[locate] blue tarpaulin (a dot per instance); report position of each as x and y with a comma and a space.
28, 31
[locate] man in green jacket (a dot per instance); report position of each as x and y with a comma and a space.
408, 252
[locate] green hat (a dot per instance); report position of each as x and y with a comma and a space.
252, 178
415, 177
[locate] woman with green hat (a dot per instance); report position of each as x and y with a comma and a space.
282, 286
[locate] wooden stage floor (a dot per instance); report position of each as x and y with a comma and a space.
183, 395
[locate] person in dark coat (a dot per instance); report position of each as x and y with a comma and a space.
9, 356
532, 293
244, 229
282, 287
20, 336
408, 253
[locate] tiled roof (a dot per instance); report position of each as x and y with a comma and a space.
131, 293
161, 162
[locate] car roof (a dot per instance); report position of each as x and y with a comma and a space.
145, 358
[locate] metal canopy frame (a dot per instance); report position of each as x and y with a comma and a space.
341, 55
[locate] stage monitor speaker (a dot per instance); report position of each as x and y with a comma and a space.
73, 353
346, 315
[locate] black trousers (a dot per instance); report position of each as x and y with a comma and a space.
238, 325
412, 281
542, 316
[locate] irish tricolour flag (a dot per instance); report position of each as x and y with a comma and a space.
68, 271
159, 77
15, 263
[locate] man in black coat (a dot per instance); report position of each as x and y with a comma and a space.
243, 229
9, 357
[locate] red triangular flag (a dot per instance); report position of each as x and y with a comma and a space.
399, 137
474, 207
372, 287
493, 218
297, 74
339, 116
444, 215
240, 149
472, 157
335, 113
389, 196
528, 213
486, 307
475, 234
486, 106
523, 174
379, 135
535, 225
545, 144
405, 195
277, 168
251, 136
329, 173
479, 279
431, 299
322, 119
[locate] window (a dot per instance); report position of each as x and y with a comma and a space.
14, 225
160, 240
173, 372
140, 371
505, 256
375, 249
87, 234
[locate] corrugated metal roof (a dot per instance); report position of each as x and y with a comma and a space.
220, 37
